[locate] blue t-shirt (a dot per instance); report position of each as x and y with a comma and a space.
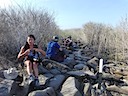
52, 49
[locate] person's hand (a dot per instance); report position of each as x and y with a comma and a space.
27, 52
36, 49
40, 50
60, 49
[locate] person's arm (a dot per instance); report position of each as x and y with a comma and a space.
58, 46
22, 53
40, 50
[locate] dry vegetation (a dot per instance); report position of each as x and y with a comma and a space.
77, 34
109, 42
17, 23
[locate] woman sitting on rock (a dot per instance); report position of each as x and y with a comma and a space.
30, 53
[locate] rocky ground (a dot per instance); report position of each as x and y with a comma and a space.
76, 76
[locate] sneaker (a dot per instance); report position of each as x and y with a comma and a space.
31, 78
37, 82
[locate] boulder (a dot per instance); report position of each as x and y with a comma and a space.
79, 62
69, 89
42, 69
79, 84
76, 74
93, 64
79, 66
44, 78
56, 82
70, 62
55, 71
123, 89
87, 89
49, 91
94, 61
8, 88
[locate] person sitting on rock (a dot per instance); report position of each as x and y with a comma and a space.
30, 53
69, 42
54, 51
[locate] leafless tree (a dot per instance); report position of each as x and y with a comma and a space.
17, 23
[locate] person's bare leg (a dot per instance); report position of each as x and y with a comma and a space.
29, 66
35, 68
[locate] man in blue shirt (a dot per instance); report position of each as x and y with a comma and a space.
54, 52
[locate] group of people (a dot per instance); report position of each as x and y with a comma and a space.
30, 52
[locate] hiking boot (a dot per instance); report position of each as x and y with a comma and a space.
37, 82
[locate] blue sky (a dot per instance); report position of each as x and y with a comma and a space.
75, 13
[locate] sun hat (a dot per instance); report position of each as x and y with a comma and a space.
11, 73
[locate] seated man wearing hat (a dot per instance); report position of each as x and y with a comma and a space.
54, 52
